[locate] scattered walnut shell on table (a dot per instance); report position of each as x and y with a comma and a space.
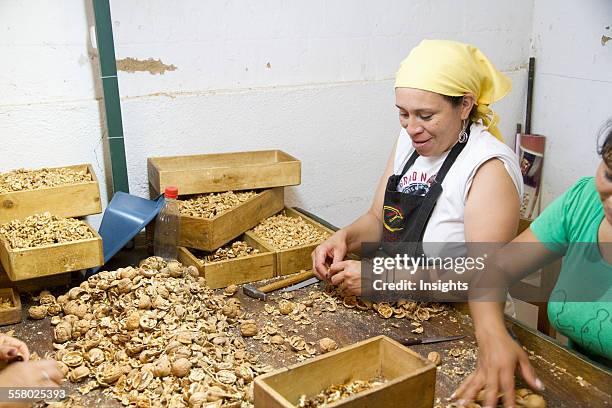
434, 357
326, 345
248, 328
285, 306
37, 312
79, 373
230, 290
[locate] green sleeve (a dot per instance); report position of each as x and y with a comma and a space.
553, 227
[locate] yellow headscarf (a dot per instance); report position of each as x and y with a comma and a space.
454, 69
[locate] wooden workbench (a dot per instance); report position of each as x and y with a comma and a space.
570, 380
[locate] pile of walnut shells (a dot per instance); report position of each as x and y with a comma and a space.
44, 229
283, 232
25, 179
153, 336
211, 205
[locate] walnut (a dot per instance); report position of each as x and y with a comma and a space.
144, 302
237, 249
64, 369
46, 298
285, 307
230, 290
79, 373
531, 401
95, 356
54, 309
181, 367
248, 328
133, 321
175, 269
231, 311
326, 344
277, 340
37, 312
434, 357
62, 332
385, 310
162, 367
124, 285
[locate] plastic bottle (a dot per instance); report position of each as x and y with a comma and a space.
167, 226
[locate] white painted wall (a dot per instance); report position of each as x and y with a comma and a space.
573, 86
325, 97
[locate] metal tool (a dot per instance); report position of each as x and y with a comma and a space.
260, 292
413, 341
303, 284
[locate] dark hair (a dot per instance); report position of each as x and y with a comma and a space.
456, 102
605, 146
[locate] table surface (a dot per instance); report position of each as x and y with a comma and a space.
570, 381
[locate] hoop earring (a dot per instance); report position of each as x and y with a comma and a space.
463, 136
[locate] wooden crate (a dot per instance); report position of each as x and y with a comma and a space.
13, 314
35, 284
210, 173
410, 379
235, 271
28, 263
69, 200
210, 234
292, 260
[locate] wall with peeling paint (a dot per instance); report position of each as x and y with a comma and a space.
312, 78
572, 89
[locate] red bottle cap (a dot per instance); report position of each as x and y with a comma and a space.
171, 192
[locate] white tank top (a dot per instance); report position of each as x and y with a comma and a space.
447, 222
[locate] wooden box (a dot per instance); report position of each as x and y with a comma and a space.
292, 260
12, 314
210, 173
35, 284
69, 200
409, 378
28, 263
234, 271
213, 233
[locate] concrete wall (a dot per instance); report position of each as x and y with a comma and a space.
311, 78
573, 86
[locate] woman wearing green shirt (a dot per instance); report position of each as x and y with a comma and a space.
578, 227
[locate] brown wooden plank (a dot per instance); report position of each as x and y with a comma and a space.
36, 284
84, 199
219, 172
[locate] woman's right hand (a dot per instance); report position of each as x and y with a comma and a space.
334, 249
498, 357
35, 374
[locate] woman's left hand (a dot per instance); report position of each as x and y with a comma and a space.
347, 276
11, 347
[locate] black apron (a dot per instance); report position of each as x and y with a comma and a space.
405, 216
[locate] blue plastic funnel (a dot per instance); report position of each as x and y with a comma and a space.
125, 216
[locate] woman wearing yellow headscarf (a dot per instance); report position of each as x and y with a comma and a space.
450, 178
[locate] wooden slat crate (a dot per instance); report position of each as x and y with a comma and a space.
409, 378
28, 263
294, 259
13, 314
210, 173
70, 200
35, 284
213, 233
234, 271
